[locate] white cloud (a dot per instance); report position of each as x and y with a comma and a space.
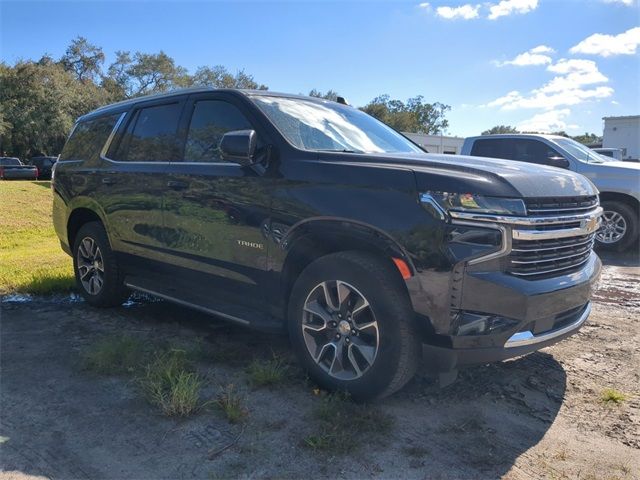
625, 43
551, 121
424, 5
542, 49
628, 3
507, 7
531, 57
575, 83
466, 12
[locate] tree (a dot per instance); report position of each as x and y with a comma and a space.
588, 138
83, 59
329, 95
39, 103
143, 74
219, 77
500, 129
413, 116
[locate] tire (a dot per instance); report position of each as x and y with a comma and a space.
91, 253
617, 215
362, 279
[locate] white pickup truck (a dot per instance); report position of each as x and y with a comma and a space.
618, 182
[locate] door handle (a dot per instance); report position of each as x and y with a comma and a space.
108, 180
177, 185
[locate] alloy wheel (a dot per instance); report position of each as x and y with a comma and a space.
90, 266
340, 330
613, 228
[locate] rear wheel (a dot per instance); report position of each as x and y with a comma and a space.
619, 229
351, 325
96, 268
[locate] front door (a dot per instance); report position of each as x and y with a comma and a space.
216, 211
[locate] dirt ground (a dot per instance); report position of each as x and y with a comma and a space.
539, 416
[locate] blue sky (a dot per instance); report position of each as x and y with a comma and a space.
529, 63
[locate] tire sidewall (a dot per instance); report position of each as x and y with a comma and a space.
111, 291
630, 217
379, 375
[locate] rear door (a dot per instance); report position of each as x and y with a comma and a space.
135, 174
216, 211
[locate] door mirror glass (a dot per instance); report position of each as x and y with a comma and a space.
239, 146
558, 161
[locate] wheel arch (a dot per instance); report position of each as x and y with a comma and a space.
621, 197
81, 214
311, 239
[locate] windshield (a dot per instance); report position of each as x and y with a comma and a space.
328, 126
580, 151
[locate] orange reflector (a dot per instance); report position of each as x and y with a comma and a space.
402, 267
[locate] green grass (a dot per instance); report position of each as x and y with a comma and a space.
343, 426
115, 355
267, 373
231, 403
31, 260
171, 384
611, 395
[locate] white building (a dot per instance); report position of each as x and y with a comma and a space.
623, 133
437, 143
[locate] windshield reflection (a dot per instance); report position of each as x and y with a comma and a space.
327, 126
580, 151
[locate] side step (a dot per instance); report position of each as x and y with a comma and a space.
236, 314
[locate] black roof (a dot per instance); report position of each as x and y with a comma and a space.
125, 104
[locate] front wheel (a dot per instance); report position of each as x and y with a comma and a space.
619, 229
96, 268
352, 327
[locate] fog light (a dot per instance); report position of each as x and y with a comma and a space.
470, 323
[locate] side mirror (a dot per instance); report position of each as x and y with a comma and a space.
239, 146
559, 162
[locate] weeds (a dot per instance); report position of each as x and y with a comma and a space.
232, 404
115, 355
611, 395
170, 384
266, 373
342, 424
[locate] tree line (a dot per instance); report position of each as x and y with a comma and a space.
41, 99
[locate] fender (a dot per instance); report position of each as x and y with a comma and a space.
89, 204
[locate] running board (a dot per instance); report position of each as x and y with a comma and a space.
259, 320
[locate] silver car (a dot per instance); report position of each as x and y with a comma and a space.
618, 182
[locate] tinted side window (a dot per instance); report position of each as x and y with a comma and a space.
151, 135
210, 120
533, 151
88, 138
486, 148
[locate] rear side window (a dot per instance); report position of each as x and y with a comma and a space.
88, 138
151, 136
490, 147
9, 162
211, 119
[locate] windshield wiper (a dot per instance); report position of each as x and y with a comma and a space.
343, 150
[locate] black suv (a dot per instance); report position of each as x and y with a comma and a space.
286, 212
44, 165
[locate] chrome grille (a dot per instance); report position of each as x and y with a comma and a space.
552, 256
560, 205
566, 247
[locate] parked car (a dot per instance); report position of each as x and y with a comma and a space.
615, 153
287, 212
11, 168
618, 182
44, 165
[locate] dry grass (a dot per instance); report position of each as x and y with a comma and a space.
232, 404
267, 373
170, 384
31, 260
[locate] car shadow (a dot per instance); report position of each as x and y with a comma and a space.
61, 421
629, 258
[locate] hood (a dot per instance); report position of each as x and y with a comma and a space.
613, 168
483, 176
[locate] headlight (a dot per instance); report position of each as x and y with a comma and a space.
471, 203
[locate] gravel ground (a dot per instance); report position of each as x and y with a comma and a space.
539, 416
